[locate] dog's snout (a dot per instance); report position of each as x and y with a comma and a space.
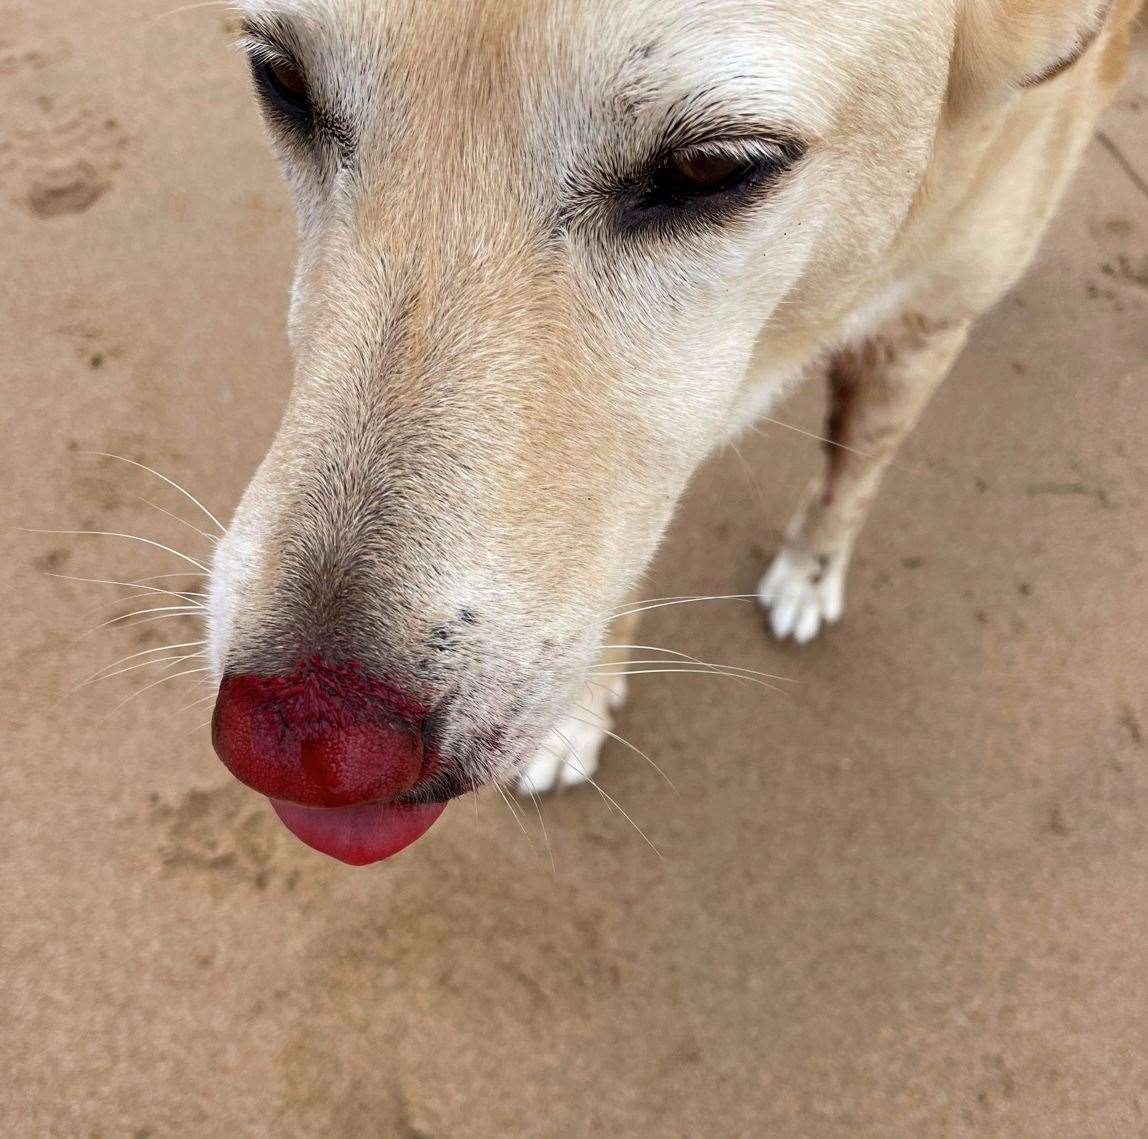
323, 736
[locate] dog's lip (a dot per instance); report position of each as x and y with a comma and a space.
361, 833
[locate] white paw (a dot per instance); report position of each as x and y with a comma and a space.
569, 754
801, 593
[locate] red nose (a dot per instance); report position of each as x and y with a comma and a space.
324, 736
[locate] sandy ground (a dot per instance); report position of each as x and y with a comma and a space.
908, 899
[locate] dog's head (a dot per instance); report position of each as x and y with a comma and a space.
550, 252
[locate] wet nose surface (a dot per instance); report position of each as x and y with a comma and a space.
324, 736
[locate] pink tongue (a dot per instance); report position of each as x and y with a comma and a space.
365, 832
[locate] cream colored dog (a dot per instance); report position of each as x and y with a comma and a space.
552, 253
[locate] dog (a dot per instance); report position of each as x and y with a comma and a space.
551, 254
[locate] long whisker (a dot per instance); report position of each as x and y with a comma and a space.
103, 608
131, 537
168, 661
148, 687
137, 586
144, 652
606, 795
690, 672
545, 834
697, 660
751, 478
514, 815
565, 757
196, 703
662, 602
144, 620
191, 8
813, 435
175, 517
836, 443
716, 669
162, 576
170, 482
167, 610
474, 797
621, 740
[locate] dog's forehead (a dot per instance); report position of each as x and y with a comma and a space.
794, 60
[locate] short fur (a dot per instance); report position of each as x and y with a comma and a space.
501, 391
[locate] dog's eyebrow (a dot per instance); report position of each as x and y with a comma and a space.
711, 111
709, 115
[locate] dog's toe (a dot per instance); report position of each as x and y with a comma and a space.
802, 593
569, 754
540, 774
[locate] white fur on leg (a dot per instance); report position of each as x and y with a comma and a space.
803, 592
569, 754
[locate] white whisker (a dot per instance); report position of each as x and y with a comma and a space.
174, 517
606, 795
474, 797
148, 687
662, 602
191, 8
514, 815
689, 672
196, 703
620, 739
137, 586
147, 620
545, 834
163, 576
131, 537
170, 482
168, 661
166, 610
696, 660
751, 478
836, 443
144, 652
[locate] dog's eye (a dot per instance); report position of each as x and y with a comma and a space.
698, 173
700, 185
284, 85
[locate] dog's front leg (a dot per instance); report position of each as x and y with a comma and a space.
569, 754
877, 392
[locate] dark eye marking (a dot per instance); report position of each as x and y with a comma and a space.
289, 99
702, 184
284, 86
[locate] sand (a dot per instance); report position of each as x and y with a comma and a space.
908, 897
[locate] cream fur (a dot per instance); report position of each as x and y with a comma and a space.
494, 415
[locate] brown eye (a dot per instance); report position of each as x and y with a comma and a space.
694, 187
697, 173
284, 86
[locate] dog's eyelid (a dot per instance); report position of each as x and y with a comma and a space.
263, 52
267, 41
750, 149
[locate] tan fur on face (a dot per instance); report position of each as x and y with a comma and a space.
500, 392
